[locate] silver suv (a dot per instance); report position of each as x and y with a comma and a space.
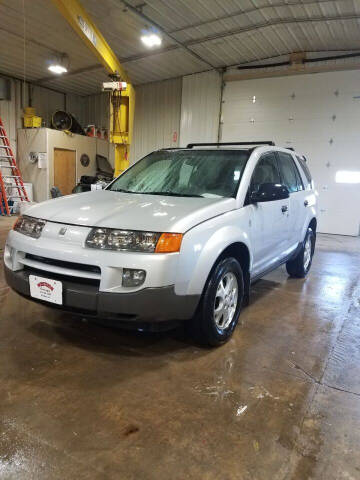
180, 235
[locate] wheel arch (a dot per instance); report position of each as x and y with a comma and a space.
195, 267
313, 225
241, 253
238, 250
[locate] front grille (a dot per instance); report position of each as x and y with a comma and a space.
62, 264
73, 281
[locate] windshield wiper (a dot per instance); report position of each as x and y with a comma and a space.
173, 194
170, 194
122, 190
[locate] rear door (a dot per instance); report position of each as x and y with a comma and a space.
291, 178
268, 220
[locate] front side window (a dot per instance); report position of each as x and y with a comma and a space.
266, 171
185, 173
289, 173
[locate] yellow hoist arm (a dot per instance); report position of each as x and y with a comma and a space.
121, 111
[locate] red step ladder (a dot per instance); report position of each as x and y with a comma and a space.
13, 190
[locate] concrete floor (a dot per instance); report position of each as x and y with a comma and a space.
280, 401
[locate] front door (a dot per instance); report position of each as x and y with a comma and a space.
64, 170
268, 220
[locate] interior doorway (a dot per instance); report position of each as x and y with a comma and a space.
64, 170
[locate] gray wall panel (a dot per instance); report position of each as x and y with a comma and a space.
157, 117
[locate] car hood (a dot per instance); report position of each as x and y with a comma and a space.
104, 208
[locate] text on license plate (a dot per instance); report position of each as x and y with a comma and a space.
46, 289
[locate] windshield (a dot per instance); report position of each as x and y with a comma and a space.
185, 173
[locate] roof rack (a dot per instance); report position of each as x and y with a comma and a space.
290, 148
228, 144
171, 148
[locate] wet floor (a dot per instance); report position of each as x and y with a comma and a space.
280, 401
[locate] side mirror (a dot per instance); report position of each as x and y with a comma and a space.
269, 192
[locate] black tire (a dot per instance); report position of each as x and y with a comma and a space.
203, 326
298, 267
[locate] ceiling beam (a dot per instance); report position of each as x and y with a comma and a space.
137, 12
238, 13
71, 73
236, 76
31, 82
272, 23
153, 53
237, 31
83, 25
30, 40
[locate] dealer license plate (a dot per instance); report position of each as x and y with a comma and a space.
46, 289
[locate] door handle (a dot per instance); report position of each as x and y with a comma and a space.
306, 203
284, 208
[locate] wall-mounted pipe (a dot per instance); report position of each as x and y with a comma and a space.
306, 60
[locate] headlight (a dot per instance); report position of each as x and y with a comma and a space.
32, 227
109, 239
133, 240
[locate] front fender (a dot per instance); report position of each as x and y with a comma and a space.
200, 249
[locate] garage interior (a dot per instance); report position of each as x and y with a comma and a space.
281, 399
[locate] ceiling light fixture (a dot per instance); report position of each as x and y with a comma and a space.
59, 64
151, 40
59, 69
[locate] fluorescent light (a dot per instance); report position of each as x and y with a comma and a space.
59, 69
151, 40
254, 99
346, 176
59, 63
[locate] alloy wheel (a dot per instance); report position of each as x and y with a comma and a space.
307, 253
226, 300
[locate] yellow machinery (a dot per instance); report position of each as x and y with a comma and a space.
122, 103
31, 120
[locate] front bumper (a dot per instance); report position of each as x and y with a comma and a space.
81, 297
70, 251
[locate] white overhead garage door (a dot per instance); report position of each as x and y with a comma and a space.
318, 115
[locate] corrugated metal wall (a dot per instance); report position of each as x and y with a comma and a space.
194, 100
157, 117
45, 101
168, 113
10, 112
76, 105
96, 110
200, 107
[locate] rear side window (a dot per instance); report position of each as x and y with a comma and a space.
266, 171
289, 173
306, 170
